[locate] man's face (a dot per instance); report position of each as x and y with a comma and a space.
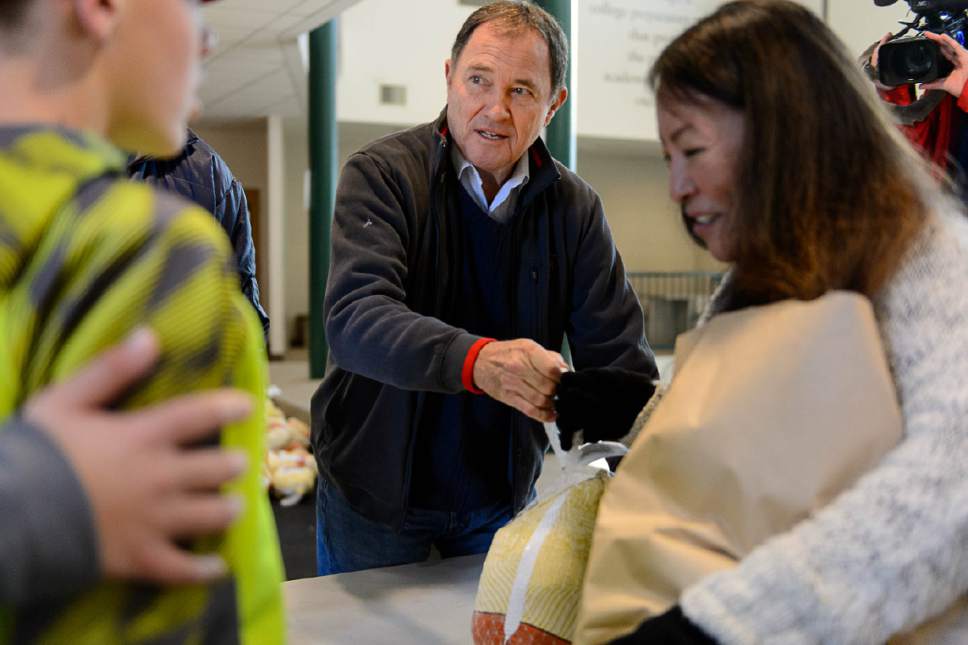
154, 65
499, 96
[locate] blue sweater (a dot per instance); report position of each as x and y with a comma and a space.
462, 456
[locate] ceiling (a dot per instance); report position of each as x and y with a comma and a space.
257, 70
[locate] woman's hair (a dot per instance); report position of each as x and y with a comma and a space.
12, 13
16, 24
830, 195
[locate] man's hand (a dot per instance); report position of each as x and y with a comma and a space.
602, 401
954, 82
147, 489
522, 374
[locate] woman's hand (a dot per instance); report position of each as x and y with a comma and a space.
603, 402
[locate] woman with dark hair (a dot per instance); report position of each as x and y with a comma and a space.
786, 167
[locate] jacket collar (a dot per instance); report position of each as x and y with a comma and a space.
135, 160
543, 172
95, 151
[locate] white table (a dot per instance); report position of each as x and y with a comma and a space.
429, 602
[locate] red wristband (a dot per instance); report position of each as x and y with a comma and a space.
963, 98
467, 373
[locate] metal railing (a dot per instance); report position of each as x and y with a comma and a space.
672, 301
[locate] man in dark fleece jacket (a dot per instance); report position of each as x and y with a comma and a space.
462, 256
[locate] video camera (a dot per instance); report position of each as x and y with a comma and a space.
917, 59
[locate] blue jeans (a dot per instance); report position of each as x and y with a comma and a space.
347, 541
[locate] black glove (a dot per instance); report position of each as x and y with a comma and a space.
602, 401
671, 628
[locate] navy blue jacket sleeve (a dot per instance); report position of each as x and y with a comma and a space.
606, 325
232, 210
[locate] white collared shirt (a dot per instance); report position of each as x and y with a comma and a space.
502, 206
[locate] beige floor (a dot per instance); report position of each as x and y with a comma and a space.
295, 388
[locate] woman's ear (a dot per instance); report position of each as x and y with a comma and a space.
98, 18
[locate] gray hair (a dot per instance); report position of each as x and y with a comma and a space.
514, 15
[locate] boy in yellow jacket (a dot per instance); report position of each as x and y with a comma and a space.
86, 257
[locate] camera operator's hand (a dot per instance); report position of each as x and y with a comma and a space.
953, 83
602, 401
874, 58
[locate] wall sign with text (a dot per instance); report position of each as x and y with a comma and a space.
618, 40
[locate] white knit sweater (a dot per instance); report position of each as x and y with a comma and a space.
892, 552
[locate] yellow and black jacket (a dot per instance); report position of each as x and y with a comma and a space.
86, 257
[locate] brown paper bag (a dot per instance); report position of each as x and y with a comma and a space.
772, 412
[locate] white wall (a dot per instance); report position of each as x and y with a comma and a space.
860, 22
397, 43
632, 182
297, 221
274, 242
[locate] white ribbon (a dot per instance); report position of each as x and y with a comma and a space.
575, 469
519, 592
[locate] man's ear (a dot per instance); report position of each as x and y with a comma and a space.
558, 102
447, 71
97, 18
